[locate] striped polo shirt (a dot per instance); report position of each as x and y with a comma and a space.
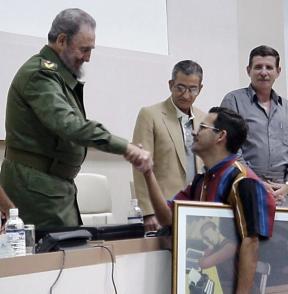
230, 182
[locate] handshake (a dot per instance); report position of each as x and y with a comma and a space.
140, 158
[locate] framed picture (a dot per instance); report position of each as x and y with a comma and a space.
206, 246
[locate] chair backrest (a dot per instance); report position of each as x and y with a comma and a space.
94, 198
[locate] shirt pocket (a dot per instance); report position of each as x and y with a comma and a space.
284, 123
285, 133
47, 185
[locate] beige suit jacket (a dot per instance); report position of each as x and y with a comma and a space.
159, 131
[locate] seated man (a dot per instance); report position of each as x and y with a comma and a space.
219, 137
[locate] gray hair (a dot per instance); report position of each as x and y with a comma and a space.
188, 67
69, 22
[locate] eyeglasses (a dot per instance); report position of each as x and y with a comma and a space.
181, 89
204, 126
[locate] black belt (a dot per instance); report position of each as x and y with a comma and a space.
42, 163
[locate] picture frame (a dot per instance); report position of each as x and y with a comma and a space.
205, 248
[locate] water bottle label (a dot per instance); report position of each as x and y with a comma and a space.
20, 231
135, 219
16, 239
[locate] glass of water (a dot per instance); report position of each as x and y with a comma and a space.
30, 239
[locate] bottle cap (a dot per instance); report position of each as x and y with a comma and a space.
13, 211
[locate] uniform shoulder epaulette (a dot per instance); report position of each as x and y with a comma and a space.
47, 64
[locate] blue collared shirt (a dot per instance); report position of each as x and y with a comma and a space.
266, 148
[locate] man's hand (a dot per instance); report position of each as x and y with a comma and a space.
151, 223
5, 205
279, 191
139, 157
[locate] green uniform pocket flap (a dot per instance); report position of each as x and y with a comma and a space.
48, 185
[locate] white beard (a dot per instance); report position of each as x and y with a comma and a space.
78, 72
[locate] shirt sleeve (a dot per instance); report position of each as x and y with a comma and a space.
45, 95
229, 101
143, 134
182, 195
254, 209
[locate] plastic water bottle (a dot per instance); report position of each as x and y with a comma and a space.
135, 214
15, 232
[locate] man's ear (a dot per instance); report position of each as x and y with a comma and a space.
61, 41
248, 69
200, 88
278, 71
222, 135
171, 84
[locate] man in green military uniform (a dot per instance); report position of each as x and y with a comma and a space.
46, 129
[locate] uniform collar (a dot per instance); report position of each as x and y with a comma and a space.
227, 161
253, 97
49, 54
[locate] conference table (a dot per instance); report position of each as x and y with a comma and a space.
140, 266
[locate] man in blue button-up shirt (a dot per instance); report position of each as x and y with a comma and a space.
266, 147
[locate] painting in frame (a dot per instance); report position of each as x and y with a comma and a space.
206, 246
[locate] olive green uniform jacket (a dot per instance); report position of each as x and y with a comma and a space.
46, 138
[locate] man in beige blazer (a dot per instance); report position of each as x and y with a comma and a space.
164, 129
